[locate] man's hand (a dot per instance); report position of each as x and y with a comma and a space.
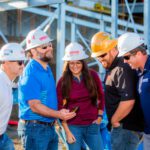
66, 115
116, 124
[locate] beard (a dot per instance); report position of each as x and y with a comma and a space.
44, 57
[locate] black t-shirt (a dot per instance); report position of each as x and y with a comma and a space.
120, 85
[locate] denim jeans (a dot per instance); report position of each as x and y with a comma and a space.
38, 136
6, 143
146, 141
90, 134
123, 139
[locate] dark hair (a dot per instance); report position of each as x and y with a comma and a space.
87, 78
142, 48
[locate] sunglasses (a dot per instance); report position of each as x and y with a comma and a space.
48, 45
19, 62
102, 56
127, 57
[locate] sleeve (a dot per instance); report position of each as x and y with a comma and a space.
2, 95
29, 88
126, 83
101, 99
59, 94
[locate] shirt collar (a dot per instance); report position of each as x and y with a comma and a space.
114, 63
146, 67
147, 64
76, 79
39, 66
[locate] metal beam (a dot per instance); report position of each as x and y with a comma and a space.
114, 16
60, 40
43, 2
3, 37
82, 22
147, 23
130, 15
73, 32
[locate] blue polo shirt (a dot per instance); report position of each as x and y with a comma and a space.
144, 91
36, 83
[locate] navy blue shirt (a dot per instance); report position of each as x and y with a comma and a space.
36, 83
144, 92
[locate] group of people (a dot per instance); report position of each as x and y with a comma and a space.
79, 98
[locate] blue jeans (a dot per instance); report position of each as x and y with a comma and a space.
38, 136
146, 141
123, 139
6, 143
90, 134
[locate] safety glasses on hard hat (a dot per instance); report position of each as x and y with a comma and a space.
47, 45
19, 62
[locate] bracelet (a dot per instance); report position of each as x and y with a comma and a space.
99, 115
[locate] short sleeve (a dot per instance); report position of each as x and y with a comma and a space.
125, 84
29, 88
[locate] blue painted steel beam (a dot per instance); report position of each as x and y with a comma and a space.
114, 16
147, 23
60, 40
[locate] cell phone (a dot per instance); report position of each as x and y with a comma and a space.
75, 109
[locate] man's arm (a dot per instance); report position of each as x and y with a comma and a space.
122, 111
43, 110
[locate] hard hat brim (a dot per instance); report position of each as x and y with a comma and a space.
36, 45
113, 45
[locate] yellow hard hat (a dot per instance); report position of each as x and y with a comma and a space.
102, 43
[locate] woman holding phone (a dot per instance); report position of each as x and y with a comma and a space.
80, 90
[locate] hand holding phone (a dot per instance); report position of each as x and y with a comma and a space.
75, 109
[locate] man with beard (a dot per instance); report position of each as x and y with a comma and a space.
37, 97
122, 106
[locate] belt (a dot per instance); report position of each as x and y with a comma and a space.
38, 122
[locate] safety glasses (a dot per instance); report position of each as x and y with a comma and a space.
19, 62
102, 56
47, 45
127, 57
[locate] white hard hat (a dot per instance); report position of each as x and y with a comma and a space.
128, 41
74, 51
36, 38
12, 52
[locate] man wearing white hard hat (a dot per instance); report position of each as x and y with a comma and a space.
131, 46
37, 96
12, 58
80, 90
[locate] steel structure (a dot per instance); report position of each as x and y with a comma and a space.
78, 18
